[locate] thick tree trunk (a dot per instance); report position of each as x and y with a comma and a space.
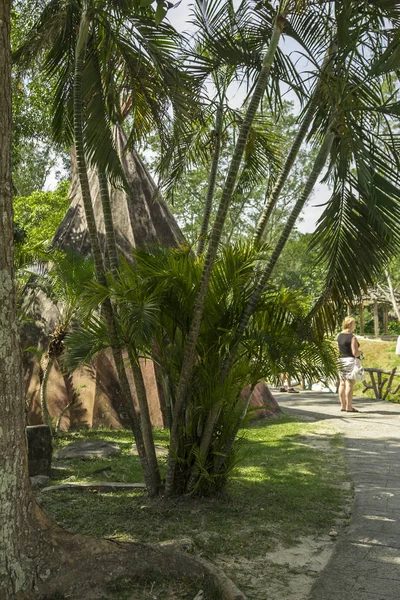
190, 348
16, 568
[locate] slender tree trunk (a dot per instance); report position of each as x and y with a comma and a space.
98, 261
212, 180
301, 134
147, 429
190, 348
319, 164
392, 296
108, 222
43, 394
145, 422
253, 301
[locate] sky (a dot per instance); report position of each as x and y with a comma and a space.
179, 17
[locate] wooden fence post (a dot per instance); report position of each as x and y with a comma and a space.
385, 318
376, 319
361, 311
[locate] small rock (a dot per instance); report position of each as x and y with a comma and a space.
39, 481
199, 595
89, 450
185, 544
161, 451
44, 575
333, 533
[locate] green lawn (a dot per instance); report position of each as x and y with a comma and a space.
283, 488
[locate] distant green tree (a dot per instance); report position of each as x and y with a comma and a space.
298, 269
34, 152
39, 214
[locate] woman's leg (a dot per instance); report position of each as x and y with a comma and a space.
342, 394
349, 394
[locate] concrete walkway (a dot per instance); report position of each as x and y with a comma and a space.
365, 564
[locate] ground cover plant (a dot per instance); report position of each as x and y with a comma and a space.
282, 489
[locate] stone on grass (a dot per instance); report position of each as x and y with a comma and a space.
161, 451
88, 450
98, 486
184, 544
39, 481
40, 450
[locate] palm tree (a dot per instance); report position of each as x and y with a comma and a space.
349, 98
190, 347
155, 301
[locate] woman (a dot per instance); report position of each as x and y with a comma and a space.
348, 352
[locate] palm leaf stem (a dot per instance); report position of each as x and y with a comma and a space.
190, 347
212, 180
301, 134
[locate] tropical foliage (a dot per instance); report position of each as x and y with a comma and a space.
154, 302
225, 325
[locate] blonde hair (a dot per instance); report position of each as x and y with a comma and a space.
347, 322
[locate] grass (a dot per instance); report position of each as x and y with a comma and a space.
380, 355
283, 488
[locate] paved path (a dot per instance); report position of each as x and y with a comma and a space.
365, 564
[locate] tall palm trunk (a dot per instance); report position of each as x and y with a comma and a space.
108, 222
97, 257
301, 134
319, 164
190, 348
212, 180
253, 301
145, 422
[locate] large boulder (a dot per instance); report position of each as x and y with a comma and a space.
262, 402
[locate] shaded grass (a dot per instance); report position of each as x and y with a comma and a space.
282, 489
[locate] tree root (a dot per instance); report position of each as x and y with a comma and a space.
80, 567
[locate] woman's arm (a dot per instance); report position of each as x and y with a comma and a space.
354, 347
